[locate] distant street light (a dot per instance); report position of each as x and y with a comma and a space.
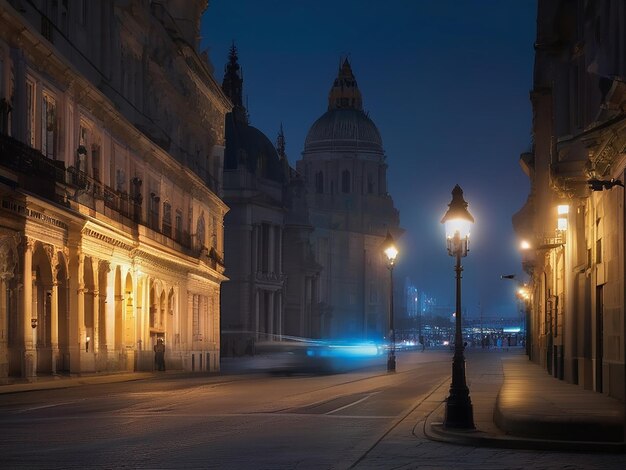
457, 222
390, 250
524, 295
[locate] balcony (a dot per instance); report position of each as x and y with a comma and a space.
51, 180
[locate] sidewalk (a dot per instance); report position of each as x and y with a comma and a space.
56, 382
518, 405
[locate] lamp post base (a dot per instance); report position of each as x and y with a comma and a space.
391, 363
459, 412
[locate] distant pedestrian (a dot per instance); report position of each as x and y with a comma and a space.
159, 355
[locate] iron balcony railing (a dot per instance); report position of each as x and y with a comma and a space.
43, 176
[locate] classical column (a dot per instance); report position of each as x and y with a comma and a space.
254, 241
279, 250
54, 320
279, 311
256, 312
94, 345
108, 335
270, 314
270, 250
77, 334
28, 322
29, 356
5, 276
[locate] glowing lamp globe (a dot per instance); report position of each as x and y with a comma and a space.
457, 219
389, 248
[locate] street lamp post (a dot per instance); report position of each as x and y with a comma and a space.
390, 250
457, 221
523, 294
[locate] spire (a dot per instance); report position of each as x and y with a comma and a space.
280, 144
232, 85
345, 92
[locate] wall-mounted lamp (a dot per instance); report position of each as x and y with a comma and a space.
524, 245
87, 344
33, 323
561, 221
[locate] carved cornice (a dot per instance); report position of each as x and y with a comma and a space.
87, 232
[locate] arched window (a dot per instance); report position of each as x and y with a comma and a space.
200, 233
345, 181
319, 182
167, 219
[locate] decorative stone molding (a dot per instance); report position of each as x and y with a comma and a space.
9, 242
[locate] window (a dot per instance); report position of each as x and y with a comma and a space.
200, 233
214, 232
319, 182
95, 161
81, 152
195, 322
167, 219
120, 180
178, 227
154, 211
370, 184
30, 113
48, 127
345, 181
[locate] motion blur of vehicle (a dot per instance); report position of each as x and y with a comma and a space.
294, 355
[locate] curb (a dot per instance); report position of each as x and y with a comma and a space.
434, 430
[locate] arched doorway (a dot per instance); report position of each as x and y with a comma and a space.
42, 308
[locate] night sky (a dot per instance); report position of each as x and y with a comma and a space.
447, 83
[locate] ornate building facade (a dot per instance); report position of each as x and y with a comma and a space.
273, 277
345, 174
573, 221
111, 154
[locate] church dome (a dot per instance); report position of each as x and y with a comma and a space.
343, 129
344, 126
247, 146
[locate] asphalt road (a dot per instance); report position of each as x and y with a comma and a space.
234, 421
364, 419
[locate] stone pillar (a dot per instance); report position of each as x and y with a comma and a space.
54, 321
94, 341
255, 327
4, 327
29, 362
279, 312
254, 241
108, 335
77, 334
8, 262
279, 250
270, 250
271, 314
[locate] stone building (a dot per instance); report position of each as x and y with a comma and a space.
573, 221
345, 174
111, 153
271, 290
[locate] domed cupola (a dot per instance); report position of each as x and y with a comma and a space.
344, 127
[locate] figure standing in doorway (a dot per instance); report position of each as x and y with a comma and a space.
159, 355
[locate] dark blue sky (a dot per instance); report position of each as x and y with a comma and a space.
447, 83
